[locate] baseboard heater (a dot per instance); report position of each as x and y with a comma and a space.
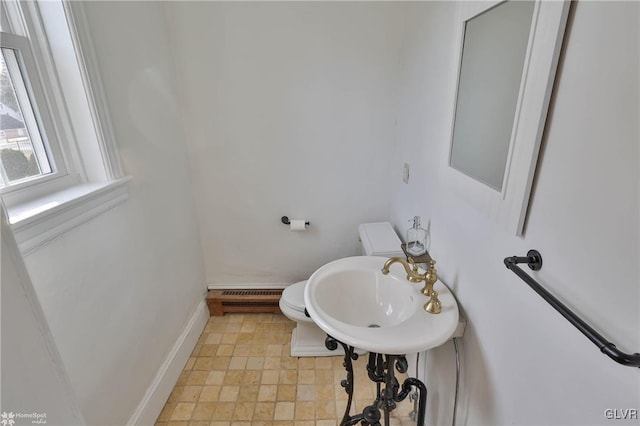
223, 301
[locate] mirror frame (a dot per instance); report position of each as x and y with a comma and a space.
508, 207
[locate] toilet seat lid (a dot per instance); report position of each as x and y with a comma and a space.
293, 296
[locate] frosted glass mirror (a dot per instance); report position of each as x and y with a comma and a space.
508, 53
493, 53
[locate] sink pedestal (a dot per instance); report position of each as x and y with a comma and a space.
381, 370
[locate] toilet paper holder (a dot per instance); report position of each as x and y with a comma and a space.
285, 220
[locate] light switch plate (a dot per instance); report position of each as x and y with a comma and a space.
405, 173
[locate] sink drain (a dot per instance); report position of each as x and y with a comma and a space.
373, 326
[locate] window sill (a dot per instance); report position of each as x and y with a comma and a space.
37, 222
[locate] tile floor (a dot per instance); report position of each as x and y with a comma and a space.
241, 373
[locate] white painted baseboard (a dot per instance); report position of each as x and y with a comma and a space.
156, 396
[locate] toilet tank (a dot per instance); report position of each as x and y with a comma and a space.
379, 239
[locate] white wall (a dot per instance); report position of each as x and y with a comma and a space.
523, 363
118, 290
290, 111
34, 379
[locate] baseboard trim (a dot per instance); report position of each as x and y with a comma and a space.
158, 392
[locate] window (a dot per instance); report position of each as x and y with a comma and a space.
24, 154
58, 159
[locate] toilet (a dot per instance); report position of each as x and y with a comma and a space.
307, 339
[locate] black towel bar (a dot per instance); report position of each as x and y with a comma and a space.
534, 260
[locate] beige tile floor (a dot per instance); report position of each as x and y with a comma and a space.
241, 373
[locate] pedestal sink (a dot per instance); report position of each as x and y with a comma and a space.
352, 301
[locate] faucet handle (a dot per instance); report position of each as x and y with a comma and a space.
432, 275
433, 306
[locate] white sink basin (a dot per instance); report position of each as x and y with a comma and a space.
351, 300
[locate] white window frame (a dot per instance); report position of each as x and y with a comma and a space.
44, 122
88, 178
18, 77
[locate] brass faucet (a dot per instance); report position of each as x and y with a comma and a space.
433, 306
